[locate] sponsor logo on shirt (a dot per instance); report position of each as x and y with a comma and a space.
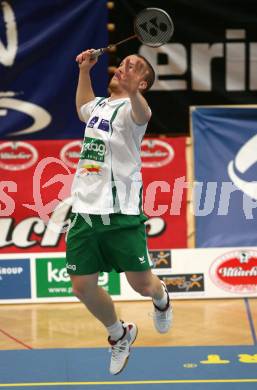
90, 169
93, 121
93, 149
104, 125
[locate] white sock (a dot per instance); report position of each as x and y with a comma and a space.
116, 330
161, 303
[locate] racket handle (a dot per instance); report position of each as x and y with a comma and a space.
98, 53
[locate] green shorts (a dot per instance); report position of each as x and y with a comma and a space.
119, 243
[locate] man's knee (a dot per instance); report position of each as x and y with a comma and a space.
143, 289
83, 288
79, 291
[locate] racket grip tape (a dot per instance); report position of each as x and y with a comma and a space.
98, 53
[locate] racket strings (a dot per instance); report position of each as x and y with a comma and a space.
153, 27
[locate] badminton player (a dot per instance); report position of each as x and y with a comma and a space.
107, 230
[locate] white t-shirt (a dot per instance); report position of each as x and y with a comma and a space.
108, 177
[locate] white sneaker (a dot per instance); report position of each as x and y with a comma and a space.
162, 318
121, 349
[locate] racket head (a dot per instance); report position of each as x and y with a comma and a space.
153, 27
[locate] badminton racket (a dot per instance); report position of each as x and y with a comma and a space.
152, 26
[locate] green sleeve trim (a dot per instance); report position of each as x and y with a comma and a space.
114, 189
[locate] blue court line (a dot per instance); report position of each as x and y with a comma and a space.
250, 319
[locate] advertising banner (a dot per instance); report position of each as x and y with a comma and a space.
161, 259
204, 273
215, 273
15, 279
36, 178
35, 186
184, 282
164, 177
39, 42
188, 274
52, 279
209, 61
225, 144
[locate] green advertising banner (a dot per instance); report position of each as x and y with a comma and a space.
52, 279
110, 282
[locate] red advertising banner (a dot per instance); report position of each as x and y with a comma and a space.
164, 178
35, 182
36, 178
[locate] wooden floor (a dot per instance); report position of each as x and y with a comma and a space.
70, 325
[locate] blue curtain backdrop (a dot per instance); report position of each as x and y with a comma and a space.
39, 41
225, 152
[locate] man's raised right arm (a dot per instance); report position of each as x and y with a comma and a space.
85, 91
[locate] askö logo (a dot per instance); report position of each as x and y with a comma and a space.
236, 271
93, 149
17, 156
156, 153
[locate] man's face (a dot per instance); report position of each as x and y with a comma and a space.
114, 83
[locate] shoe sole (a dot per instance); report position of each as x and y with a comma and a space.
127, 358
162, 331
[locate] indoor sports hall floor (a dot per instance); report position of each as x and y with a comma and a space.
212, 345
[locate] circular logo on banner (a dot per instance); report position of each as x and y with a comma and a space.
16, 156
244, 164
236, 271
70, 153
156, 153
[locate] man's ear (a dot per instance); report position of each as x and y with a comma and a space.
142, 85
